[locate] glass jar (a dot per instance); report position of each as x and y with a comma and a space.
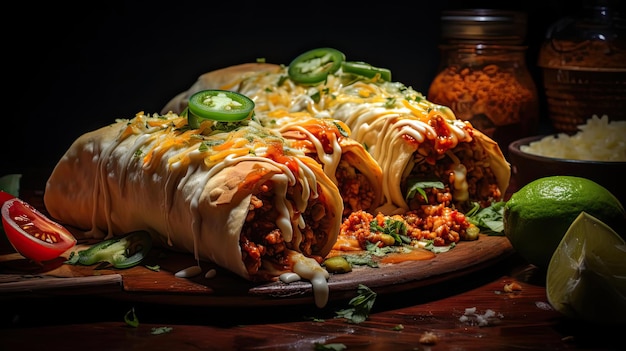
583, 62
483, 75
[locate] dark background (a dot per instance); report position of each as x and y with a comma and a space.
72, 70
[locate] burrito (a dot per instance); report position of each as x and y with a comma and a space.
231, 193
346, 161
428, 157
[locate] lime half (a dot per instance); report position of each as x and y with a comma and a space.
586, 277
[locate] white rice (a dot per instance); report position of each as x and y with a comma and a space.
598, 140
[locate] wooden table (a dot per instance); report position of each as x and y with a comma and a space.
523, 320
429, 317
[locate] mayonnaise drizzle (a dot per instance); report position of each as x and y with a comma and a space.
330, 161
460, 185
311, 270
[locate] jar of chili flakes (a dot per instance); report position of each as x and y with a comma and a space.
483, 75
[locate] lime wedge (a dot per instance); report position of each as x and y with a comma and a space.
586, 277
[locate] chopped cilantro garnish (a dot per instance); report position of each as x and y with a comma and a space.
416, 186
361, 306
488, 219
391, 102
131, 318
332, 347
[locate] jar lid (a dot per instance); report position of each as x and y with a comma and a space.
480, 25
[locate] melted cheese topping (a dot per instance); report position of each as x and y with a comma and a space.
192, 158
316, 131
388, 118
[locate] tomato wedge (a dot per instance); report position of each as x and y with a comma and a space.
32, 234
4, 197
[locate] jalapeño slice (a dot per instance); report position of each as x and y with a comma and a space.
366, 70
120, 252
314, 66
220, 105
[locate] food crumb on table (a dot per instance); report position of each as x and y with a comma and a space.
512, 287
429, 338
473, 318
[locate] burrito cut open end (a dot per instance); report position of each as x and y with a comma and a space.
240, 198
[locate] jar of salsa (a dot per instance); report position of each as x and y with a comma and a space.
483, 75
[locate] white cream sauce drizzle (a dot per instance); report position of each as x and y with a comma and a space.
102, 188
198, 182
127, 157
311, 270
330, 161
166, 206
283, 222
188, 272
460, 191
289, 277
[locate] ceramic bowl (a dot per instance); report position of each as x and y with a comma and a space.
526, 167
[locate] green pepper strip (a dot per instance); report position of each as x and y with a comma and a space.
366, 70
312, 67
121, 252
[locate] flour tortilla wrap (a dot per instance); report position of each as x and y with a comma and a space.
348, 164
407, 135
227, 78
199, 193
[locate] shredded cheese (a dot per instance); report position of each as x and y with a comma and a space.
380, 115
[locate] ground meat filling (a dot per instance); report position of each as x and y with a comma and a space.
261, 240
432, 166
356, 190
438, 223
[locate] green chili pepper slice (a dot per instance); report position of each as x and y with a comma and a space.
121, 252
220, 105
315, 65
192, 120
366, 70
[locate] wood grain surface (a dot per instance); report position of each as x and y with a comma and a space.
86, 308
20, 276
430, 318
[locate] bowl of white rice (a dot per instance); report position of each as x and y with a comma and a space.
597, 152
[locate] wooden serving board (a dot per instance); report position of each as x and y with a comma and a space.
20, 277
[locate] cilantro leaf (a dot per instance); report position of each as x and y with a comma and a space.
332, 347
131, 318
416, 186
488, 219
361, 306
